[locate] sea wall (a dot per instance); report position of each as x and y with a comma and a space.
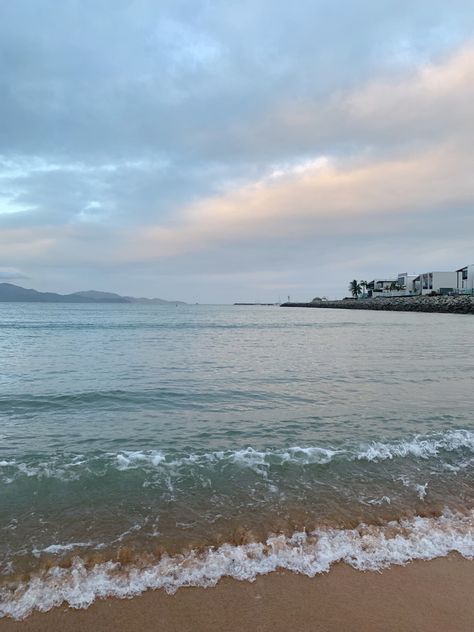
441, 304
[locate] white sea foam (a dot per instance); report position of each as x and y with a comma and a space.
307, 456
422, 447
364, 548
418, 446
378, 501
61, 548
421, 490
127, 460
246, 457
72, 467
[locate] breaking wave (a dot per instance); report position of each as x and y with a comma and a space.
309, 553
73, 467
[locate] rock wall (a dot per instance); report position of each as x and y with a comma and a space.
441, 304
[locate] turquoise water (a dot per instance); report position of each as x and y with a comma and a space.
132, 436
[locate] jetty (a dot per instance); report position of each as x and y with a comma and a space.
457, 304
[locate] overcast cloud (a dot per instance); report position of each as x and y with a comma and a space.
217, 151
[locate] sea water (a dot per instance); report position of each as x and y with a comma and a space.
147, 446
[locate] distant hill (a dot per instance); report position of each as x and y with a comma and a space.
110, 296
99, 296
14, 293
10, 292
154, 301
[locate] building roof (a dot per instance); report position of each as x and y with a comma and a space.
390, 280
439, 272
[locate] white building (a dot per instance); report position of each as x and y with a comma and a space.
385, 287
465, 279
377, 287
407, 282
439, 282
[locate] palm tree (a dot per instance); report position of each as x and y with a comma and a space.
355, 288
396, 286
363, 285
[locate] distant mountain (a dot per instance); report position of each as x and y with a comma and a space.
100, 296
154, 301
15, 293
110, 296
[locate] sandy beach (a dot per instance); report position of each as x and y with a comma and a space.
421, 597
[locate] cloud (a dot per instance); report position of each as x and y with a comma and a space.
160, 143
324, 197
421, 106
328, 195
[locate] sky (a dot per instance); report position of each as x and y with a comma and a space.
234, 151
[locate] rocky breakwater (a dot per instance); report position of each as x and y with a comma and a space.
440, 304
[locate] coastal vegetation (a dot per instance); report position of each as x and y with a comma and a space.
359, 288
396, 287
355, 288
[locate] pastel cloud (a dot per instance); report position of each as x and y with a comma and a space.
332, 197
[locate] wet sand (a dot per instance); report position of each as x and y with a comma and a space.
421, 597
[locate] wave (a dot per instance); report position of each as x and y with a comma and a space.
162, 398
419, 446
74, 466
423, 447
364, 548
173, 325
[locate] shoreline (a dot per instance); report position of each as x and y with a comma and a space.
424, 596
433, 304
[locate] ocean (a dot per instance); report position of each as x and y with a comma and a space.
147, 446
